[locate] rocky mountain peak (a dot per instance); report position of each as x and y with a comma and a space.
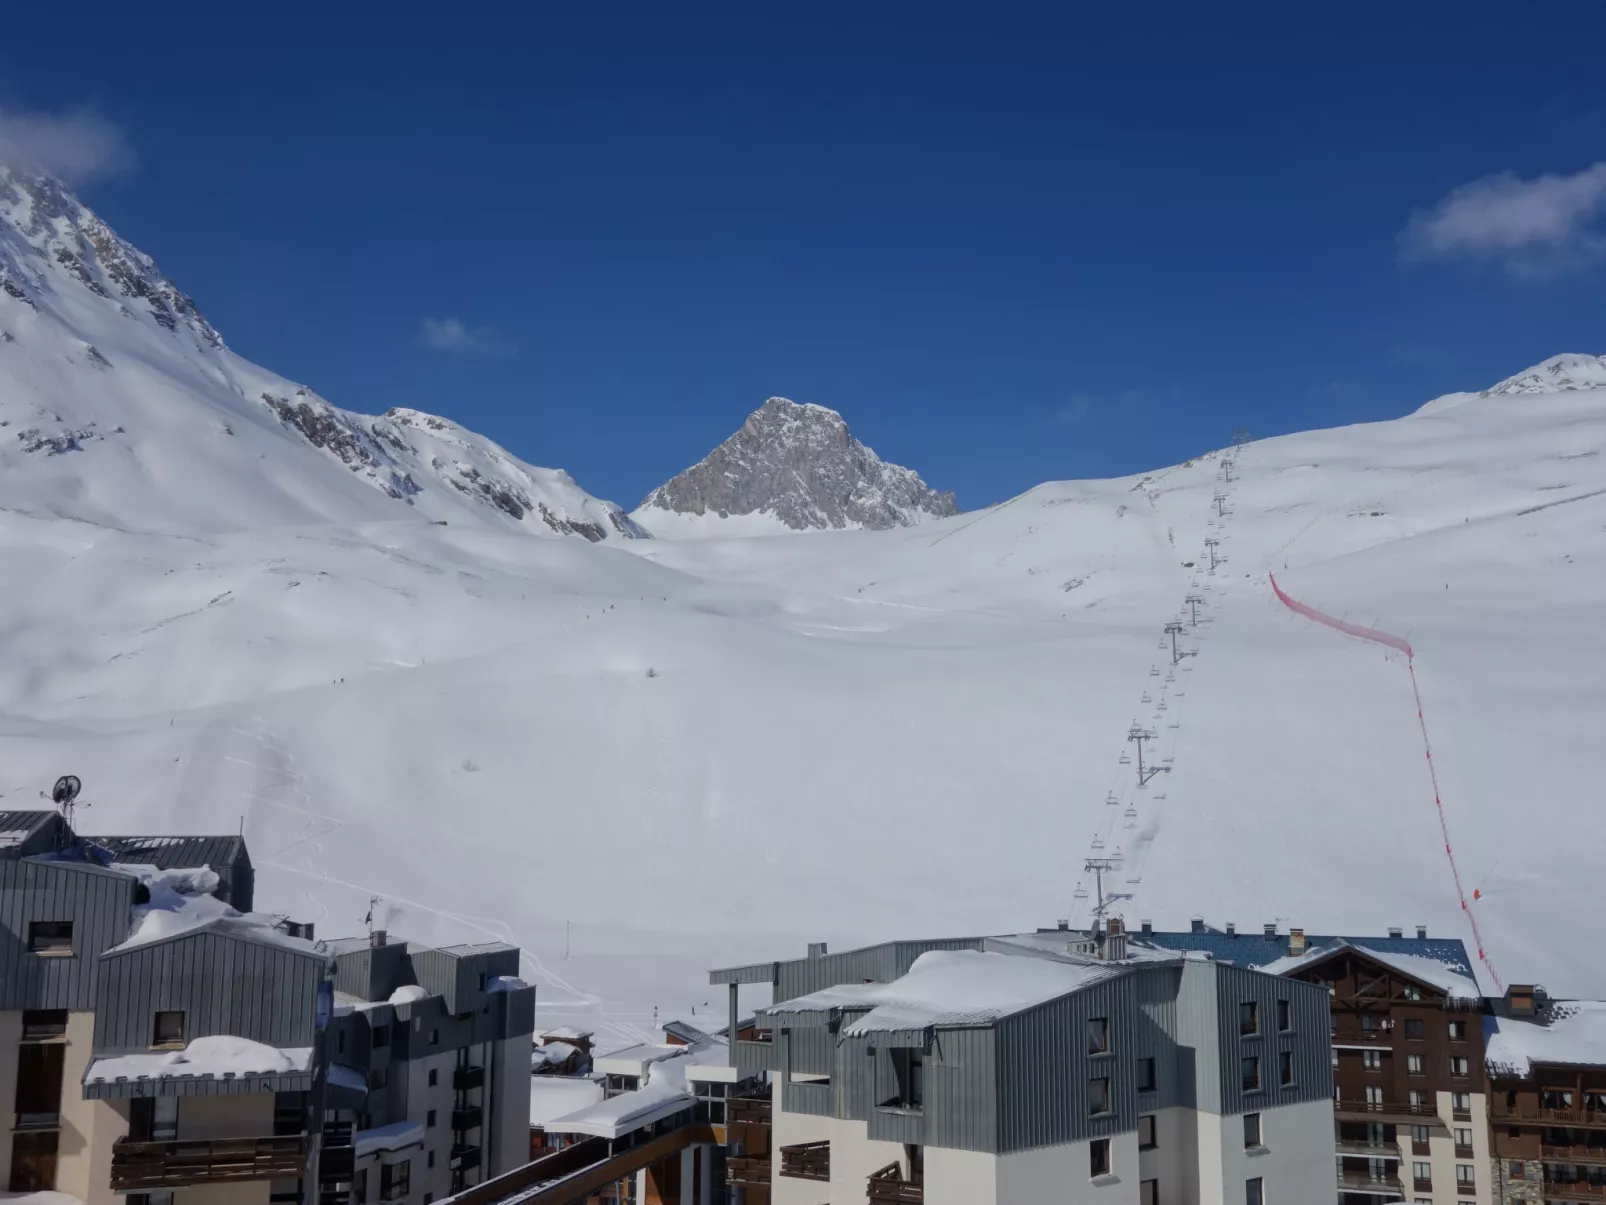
1559, 374
800, 464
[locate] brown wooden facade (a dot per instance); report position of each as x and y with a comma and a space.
1548, 1132
1403, 1049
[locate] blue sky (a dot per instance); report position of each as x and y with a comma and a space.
1009, 244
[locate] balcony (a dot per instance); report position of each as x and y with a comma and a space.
191, 1163
748, 1170
1574, 1118
1380, 1110
1577, 1190
749, 1110
807, 1161
1590, 1156
465, 1157
466, 1079
467, 1118
1383, 1186
1367, 1150
888, 1187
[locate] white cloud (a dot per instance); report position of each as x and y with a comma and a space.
76, 147
453, 334
1540, 227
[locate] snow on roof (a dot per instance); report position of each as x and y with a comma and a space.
1430, 971
341, 1076
568, 1033
409, 993
181, 902
1570, 1031
619, 1115
388, 1138
506, 983
644, 1053
953, 987
553, 1096
218, 1056
552, 1052
44, 1197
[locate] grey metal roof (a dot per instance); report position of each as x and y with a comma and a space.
1255, 949
469, 949
15, 826
173, 853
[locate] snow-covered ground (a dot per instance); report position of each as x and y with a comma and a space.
673, 754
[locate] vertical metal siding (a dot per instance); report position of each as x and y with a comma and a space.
961, 1089
222, 984
96, 900
1309, 1041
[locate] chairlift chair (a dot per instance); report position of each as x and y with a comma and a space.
1131, 811
1145, 698
1124, 760
1112, 800
1079, 894
1098, 842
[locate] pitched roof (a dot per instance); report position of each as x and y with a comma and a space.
1428, 971
173, 853
1256, 949
1571, 1032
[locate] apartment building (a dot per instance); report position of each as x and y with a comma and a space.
1007, 1070
1410, 1107
1546, 1062
429, 1066
156, 1043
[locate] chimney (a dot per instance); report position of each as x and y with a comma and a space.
1147, 928
1396, 932
1198, 924
1115, 940
1232, 929
1421, 932
1063, 923
816, 949
376, 938
1296, 942
1271, 929
1520, 1000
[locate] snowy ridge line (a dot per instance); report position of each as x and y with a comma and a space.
1395, 642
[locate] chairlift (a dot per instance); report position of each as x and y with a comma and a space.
1171, 676
1154, 671
1159, 798
1124, 760
1160, 706
1079, 894
1131, 811
1145, 698
1112, 799
1098, 842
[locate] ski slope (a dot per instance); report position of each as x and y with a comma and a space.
676, 754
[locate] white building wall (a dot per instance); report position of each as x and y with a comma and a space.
960, 1177
1173, 1162
1060, 1174
1442, 1153
421, 1098
854, 1155
1294, 1158
789, 1129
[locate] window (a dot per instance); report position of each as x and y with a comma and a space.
381, 1037
434, 1037
1422, 1173
1416, 1099
1413, 1029
1463, 1136
434, 1077
50, 937
482, 981
1285, 1016
1458, 1031
1368, 1023
340, 1041
378, 1077
1146, 1140
1372, 1060
1464, 1174
41, 1023
429, 1197
1145, 1075
1099, 1157
168, 1029
1458, 1067
1335, 1058
1285, 1068
359, 1193
430, 1162
1517, 1170
1249, 1071
395, 1181
1098, 1096
429, 1120
1149, 1192
1412, 992
1254, 1192
1098, 1035
1413, 1064
1374, 1094
1419, 1136
1251, 1130
909, 1070
1248, 1017
39, 1079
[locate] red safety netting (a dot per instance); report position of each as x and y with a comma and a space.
1404, 646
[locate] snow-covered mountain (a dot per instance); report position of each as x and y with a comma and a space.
220, 618
121, 405
790, 467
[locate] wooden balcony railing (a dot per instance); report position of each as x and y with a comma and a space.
888, 1187
1352, 1149
753, 1171
1383, 1108
1576, 1190
1585, 1118
1589, 1156
749, 1110
807, 1161
185, 1163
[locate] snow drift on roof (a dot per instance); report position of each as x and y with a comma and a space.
1572, 1032
181, 902
217, 1055
553, 1096
389, 1138
409, 993
953, 987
